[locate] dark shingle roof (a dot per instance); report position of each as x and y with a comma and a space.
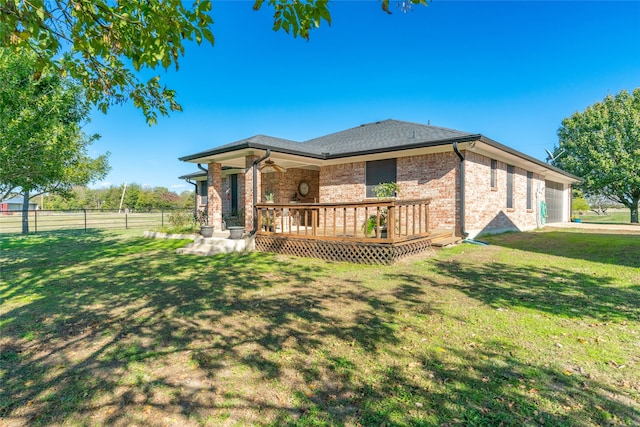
378, 137
386, 135
256, 141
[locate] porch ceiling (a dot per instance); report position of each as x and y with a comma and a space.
236, 159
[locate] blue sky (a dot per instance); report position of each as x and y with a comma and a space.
511, 70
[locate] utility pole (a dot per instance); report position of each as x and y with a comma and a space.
122, 198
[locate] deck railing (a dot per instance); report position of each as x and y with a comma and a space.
383, 221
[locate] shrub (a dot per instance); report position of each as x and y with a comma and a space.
181, 222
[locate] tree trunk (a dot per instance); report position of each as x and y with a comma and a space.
634, 212
25, 213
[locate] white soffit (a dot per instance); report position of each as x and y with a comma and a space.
492, 152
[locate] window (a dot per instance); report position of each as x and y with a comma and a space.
494, 172
379, 172
203, 191
510, 170
529, 188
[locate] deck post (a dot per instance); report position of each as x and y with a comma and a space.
314, 222
391, 221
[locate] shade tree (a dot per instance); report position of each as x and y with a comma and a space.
602, 146
42, 145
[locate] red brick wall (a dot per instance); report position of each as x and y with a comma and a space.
342, 183
486, 208
215, 196
430, 176
435, 176
284, 185
245, 190
201, 202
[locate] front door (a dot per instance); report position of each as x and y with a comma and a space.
234, 193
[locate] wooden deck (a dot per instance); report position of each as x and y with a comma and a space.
352, 232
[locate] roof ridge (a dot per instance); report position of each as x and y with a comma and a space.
262, 135
428, 124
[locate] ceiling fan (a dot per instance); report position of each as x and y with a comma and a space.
270, 166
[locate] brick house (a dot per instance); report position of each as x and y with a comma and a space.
449, 180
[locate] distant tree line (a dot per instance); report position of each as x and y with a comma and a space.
136, 198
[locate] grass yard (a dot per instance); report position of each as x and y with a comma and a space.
613, 216
107, 328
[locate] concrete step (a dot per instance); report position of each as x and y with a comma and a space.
442, 241
216, 245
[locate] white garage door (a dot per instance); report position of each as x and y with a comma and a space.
554, 195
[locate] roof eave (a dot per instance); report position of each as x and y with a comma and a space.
422, 144
248, 145
526, 157
214, 152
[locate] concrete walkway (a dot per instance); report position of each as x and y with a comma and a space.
618, 228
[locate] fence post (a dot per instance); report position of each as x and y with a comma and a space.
35, 221
126, 220
162, 218
85, 219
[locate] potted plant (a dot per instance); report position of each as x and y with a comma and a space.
268, 196
235, 224
382, 191
202, 218
386, 190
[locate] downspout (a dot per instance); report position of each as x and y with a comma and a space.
461, 178
207, 177
462, 221
255, 190
195, 197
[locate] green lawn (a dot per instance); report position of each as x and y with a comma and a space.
613, 216
106, 328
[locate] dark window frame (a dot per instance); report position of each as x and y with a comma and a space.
379, 172
203, 188
510, 179
529, 190
494, 173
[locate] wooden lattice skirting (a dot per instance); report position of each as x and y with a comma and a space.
355, 252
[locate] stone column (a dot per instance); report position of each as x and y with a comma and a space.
215, 196
247, 193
